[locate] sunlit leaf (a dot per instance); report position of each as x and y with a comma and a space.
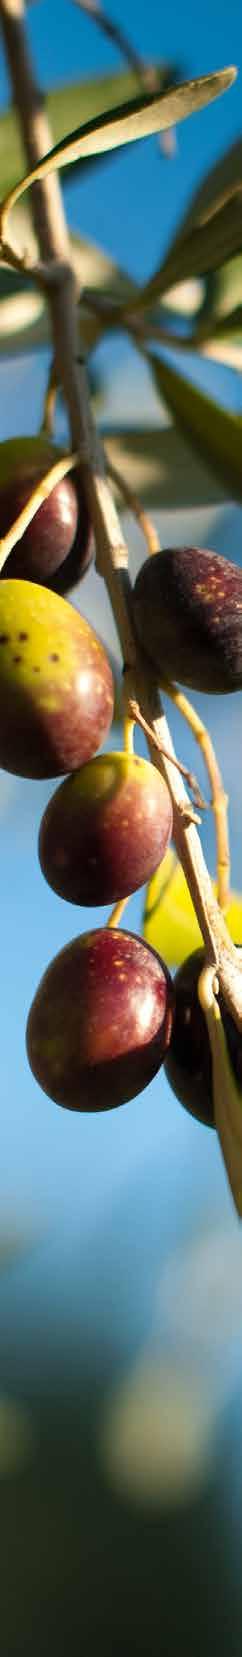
63, 107
185, 298
170, 924
137, 119
156, 462
214, 432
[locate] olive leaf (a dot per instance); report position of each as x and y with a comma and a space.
204, 248
156, 463
221, 178
214, 432
63, 107
124, 124
220, 337
169, 921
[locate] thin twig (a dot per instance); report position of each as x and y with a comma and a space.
135, 713
151, 536
146, 73
219, 798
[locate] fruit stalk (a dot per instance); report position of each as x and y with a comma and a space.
112, 556
39, 495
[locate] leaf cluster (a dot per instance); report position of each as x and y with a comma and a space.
191, 303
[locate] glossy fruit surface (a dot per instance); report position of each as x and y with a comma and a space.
105, 829
100, 1023
56, 686
188, 616
56, 546
188, 1064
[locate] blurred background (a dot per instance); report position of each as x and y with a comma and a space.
120, 1252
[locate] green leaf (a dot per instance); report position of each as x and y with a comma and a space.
214, 433
169, 923
156, 462
205, 247
221, 337
224, 176
63, 107
124, 124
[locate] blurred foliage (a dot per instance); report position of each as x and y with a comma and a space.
169, 923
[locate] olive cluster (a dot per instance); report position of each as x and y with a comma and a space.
99, 1026
107, 1013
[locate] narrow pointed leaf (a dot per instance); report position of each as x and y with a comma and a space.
63, 106
122, 125
156, 462
206, 247
214, 433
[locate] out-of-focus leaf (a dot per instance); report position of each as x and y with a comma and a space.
64, 106
16, 1437
214, 433
156, 462
139, 118
204, 248
24, 318
220, 338
222, 290
224, 176
185, 298
170, 924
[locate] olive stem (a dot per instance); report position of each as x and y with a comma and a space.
145, 523
117, 912
128, 734
219, 798
39, 495
47, 423
189, 777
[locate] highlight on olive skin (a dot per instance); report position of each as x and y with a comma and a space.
57, 546
187, 608
100, 1023
105, 829
188, 1063
56, 685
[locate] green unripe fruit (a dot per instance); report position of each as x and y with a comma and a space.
56, 686
105, 829
187, 606
100, 1023
55, 549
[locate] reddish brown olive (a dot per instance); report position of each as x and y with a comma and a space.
187, 607
100, 1023
105, 829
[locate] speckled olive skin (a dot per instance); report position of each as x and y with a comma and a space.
56, 686
187, 607
188, 1064
100, 1023
56, 549
105, 829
